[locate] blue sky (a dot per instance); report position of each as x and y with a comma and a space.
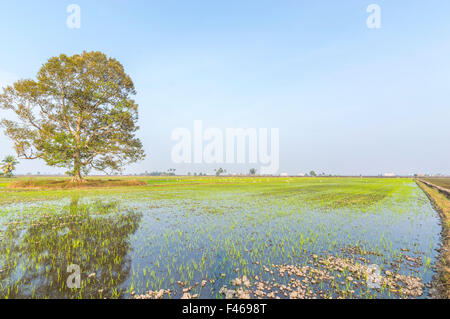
347, 99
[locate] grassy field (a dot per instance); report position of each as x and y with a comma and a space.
443, 182
221, 237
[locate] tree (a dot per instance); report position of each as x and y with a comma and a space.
312, 173
252, 171
77, 114
9, 165
220, 171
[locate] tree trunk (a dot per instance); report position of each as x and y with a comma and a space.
76, 178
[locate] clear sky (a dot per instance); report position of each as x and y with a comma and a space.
346, 99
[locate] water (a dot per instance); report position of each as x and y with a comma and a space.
138, 243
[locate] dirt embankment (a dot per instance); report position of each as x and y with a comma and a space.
441, 203
443, 190
67, 184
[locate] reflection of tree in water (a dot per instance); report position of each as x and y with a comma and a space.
34, 258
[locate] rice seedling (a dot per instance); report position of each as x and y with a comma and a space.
186, 237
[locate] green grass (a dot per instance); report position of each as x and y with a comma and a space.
343, 191
191, 229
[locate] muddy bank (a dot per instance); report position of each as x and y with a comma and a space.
443, 190
441, 203
67, 184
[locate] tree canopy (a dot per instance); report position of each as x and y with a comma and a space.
77, 114
220, 171
8, 165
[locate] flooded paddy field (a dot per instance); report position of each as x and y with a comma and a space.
221, 238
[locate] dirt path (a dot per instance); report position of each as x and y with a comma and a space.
442, 205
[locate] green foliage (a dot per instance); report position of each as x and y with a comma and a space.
220, 171
77, 114
8, 166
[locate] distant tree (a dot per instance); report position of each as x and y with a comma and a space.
220, 171
78, 114
312, 173
9, 165
252, 171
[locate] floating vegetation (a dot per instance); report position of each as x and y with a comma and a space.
221, 238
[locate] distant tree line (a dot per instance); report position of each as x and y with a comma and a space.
169, 172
